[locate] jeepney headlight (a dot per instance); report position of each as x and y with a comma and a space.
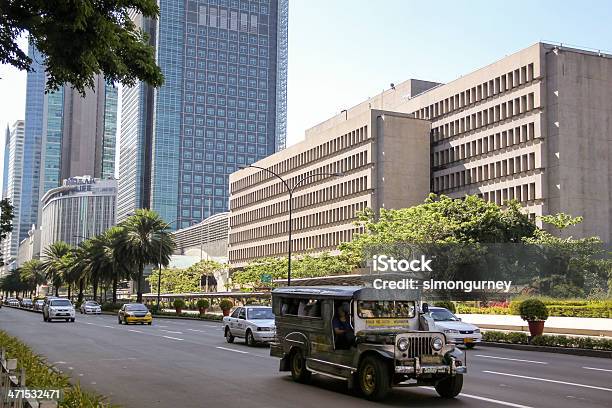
437, 344
403, 344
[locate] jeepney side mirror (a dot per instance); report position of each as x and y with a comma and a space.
425, 308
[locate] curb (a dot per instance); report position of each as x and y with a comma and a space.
548, 349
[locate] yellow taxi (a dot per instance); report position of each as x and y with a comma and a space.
134, 313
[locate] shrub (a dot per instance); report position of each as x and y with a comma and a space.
202, 304
111, 307
447, 304
226, 304
533, 309
179, 303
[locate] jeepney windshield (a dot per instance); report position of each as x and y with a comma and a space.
377, 309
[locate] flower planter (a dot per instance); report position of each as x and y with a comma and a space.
226, 312
202, 311
536, 327
178, 310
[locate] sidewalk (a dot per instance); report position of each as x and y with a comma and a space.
584, 326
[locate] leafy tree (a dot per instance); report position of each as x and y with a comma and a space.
33, 272
146, 241
303, 266
115, 257
179, 280
54, 262
6, 221
80, 39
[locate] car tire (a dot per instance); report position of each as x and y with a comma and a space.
450, 387
299, 372
72, 320
229, 337
119, 320
374, 378
44, 318
249, 340
150, 323
469, 346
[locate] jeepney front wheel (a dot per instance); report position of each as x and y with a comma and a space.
374, 379
450, 387
299, 372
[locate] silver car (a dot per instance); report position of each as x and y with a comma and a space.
58, 308
38, 305
253, 323
456, 331
91, 307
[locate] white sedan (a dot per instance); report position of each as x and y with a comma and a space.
253, 323
91, 307
456, 331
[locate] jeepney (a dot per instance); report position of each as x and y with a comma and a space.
391, 345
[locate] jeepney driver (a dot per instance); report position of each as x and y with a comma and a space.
345, 336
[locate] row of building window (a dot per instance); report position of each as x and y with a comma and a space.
484, 145
324, 195
343, 165
490, 171
522, 193
478, 93
333, 146
494, 114
344, 214
325, 241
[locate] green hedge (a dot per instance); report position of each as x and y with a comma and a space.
207, 316
556, 307
548, 340
40, 375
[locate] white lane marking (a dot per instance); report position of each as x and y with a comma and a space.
159, 325
196, 330
172, 332
550, 381
134, 330
597, 369
510, 359
235, 351
109, 327
494, 401
172, 338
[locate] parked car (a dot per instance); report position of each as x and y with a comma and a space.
27, 303
456, 331
13, 302
253, 323
91, 307
58, 308
134, 313
38, 305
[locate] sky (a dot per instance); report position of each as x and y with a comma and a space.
343, 51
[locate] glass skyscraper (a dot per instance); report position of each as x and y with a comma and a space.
222, 106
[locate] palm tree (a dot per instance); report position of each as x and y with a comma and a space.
146, 241
53, 262
33, 272
116, 257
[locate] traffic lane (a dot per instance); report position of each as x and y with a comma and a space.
137, 370
480, 389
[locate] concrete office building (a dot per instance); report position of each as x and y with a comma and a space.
5, 162
384, 158
29, 248
222, 105
534, 126
13, 166
81, 208
207, 239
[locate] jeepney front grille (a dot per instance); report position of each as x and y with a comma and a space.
419, 346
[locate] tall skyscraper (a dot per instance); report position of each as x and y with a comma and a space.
222, 106
66, 135
13, 167
7, 141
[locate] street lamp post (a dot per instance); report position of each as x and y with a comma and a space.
291, 190
160, 264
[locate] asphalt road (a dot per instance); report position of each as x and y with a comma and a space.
189, 364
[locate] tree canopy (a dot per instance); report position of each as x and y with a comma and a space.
81, 39
183, 280
6, 222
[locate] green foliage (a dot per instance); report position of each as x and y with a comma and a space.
178, 280
447, 304
179, 304
202, 304
556, 307
80, 39
147, 241
6, 220
303, 266
549, 340
40, 375
226, 304
533, 309
111, 307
